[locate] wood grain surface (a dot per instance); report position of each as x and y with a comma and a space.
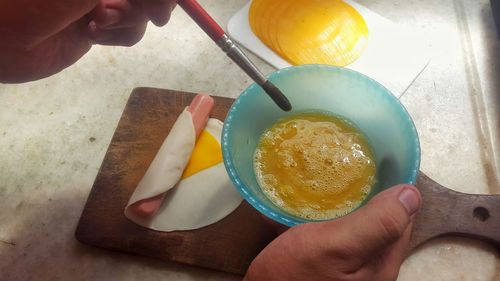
447, 212
230, 244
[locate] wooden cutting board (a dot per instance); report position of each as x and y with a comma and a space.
232, 243
228, 245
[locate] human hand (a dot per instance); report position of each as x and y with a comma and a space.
41, 37
368, 244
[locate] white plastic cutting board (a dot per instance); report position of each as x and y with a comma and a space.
394, 56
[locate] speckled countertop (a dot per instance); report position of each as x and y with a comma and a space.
54, 134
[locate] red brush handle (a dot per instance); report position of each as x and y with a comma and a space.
202, 18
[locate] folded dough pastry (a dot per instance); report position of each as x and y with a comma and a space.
197, 195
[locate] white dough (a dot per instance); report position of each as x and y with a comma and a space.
196, 201
166, 168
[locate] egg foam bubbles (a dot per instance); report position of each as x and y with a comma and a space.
315, 165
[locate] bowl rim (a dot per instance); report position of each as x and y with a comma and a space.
288, 219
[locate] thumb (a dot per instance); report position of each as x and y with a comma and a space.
379, 224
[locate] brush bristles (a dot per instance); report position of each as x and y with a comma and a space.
277, 96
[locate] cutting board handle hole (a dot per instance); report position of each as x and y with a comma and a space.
481, 213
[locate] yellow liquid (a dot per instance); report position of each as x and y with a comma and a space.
315, 166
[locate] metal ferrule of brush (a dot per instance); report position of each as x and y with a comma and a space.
237, 55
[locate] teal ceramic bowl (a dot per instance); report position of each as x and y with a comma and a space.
342, 92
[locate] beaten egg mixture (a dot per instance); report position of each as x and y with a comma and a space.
315, 166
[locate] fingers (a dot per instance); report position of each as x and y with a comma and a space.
126, 13
158, 11
114, 14
375, 227
369, 244
117, 22
123, 22
127, 36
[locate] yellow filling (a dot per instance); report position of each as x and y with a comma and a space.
206, 153
310, 31
315, 166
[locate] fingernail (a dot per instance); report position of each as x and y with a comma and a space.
92, 28
410, 199
92, 31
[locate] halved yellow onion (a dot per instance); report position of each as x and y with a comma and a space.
310, 31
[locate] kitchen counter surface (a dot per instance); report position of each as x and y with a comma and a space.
54, 134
